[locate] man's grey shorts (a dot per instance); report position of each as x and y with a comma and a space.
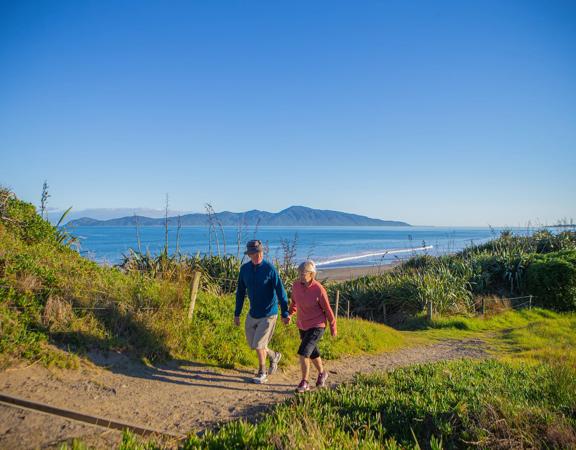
259, 331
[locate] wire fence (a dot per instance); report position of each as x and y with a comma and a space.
341, 306
527, 302
100, 308
344, 307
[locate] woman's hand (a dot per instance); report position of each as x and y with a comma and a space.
286, 320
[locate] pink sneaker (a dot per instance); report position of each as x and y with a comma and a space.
303, 387
321, 381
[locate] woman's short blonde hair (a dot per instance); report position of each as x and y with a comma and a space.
307, 266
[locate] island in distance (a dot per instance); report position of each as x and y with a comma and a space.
292, 216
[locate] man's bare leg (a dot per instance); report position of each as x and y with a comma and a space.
262, 353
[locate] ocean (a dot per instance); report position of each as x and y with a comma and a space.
330, 247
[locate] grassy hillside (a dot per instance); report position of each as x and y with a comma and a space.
49, 295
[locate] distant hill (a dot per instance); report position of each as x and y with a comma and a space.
293, 216
110, 213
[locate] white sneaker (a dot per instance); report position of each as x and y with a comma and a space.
261, 378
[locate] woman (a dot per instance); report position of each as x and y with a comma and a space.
310, 301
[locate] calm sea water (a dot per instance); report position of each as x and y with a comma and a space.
329, 246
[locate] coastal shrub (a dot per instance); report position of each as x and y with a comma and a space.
487, 274
448, 291
500, 265
368, 295
552, 279
540, 241
454, 283
419, 262
546, 242
499, 274
219, 273
395, 295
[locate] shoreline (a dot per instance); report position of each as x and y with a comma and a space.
351, 273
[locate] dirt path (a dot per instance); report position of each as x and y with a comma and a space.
177, 397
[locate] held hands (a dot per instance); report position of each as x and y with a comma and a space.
237, 321
286, 320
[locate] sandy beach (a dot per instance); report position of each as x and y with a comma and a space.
349, 273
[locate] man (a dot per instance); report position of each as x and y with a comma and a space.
265, 291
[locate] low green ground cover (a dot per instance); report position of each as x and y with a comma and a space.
457, 404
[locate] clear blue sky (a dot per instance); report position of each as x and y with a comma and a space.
441, 113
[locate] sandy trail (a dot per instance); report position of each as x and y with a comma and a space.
177, 397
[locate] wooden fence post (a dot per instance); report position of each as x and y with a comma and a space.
337, 303
530, 303
483, 305
193, 293
383, 312
348, 310
430, 310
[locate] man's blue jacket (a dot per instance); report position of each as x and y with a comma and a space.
265, 290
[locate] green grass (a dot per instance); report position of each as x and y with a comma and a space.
529, 335
458, 326
552, 341
212, 337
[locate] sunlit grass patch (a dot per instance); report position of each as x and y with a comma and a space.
550, 341
456, 327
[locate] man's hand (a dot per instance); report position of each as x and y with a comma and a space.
237, 321
286, 320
